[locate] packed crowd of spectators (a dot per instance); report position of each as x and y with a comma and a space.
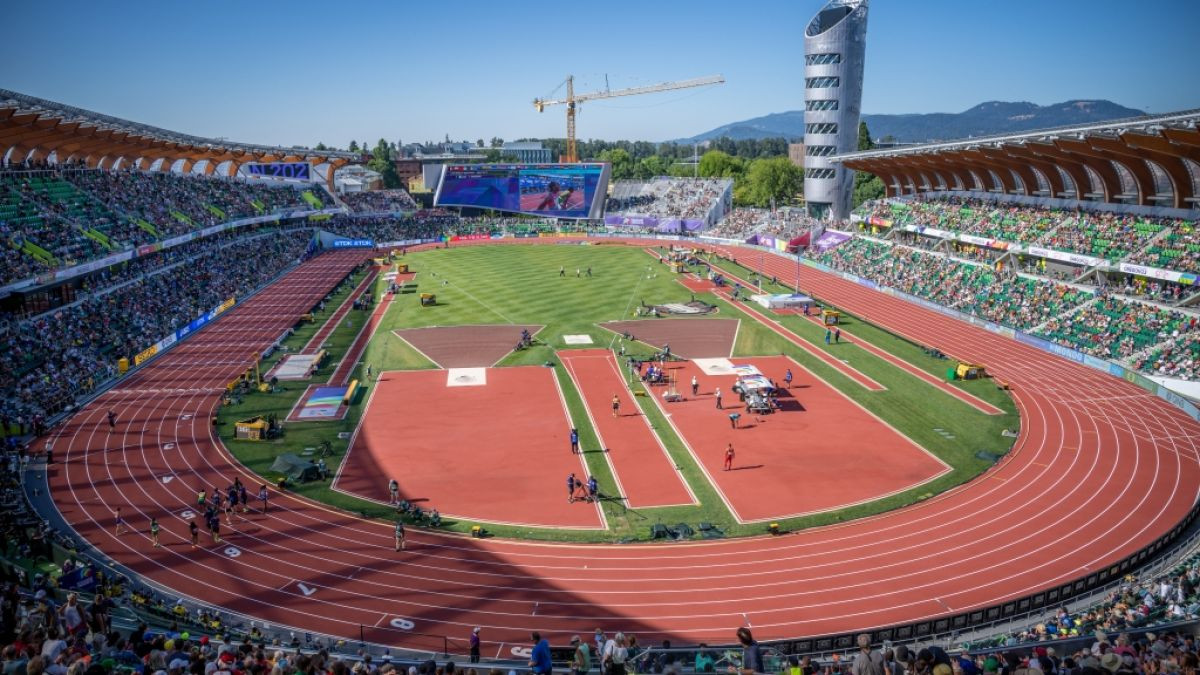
1135, 604
1114, 328
379, 201
421, 225
79, 214
996, 295
690, 198
1179, 360
60, 213
1104, 235
741, 223
157, 197
631, 203
1101, 234
1087, 320
47, 361
1178, 249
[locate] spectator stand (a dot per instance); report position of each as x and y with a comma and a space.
45, 377
72, 221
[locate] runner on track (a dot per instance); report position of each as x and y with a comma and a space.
195, 531
120, 522
154, 532
262, 496
571, 489
112, 420
616, 404
729, 457
399, 535
230, 504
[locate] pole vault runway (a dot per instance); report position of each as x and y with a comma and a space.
1101, 469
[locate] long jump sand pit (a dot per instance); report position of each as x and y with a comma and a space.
495, 452
471, 346
690, 338
820, 452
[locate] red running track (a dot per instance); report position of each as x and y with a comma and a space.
645, 473
340, 313
1101, 469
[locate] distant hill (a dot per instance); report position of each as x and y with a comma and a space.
992, 117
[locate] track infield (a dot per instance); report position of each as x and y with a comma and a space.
820, 452
471, 452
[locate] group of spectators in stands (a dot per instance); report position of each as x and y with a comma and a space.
77, 214
1136, 604
742, 222
1179, 360
1090, 321
996, 295
47, 361
379, 201
1165, 243
1117, 329
687, 198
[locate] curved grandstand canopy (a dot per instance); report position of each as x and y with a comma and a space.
1149, 161
34, 128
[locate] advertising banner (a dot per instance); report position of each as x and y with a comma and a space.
146, 353
929, 231
352, 243
647, 222
989, 243
1074, 258
1155, 273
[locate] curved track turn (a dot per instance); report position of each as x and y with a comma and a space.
1101, 469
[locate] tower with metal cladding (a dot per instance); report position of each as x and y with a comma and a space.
835, 44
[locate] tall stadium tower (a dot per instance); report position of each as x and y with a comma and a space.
835, 44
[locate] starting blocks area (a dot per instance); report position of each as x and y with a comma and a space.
497, 450
819, 451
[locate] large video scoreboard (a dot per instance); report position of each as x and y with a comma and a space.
552, 190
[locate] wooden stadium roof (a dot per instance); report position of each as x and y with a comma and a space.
32, 128
1152, 161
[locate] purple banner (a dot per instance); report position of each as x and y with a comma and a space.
632, 221
830, 239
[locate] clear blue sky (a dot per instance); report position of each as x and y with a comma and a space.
301, 72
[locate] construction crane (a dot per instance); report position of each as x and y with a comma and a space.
572, 101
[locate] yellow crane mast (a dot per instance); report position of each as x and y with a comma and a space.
572, 101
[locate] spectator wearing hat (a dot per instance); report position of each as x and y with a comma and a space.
581, 661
